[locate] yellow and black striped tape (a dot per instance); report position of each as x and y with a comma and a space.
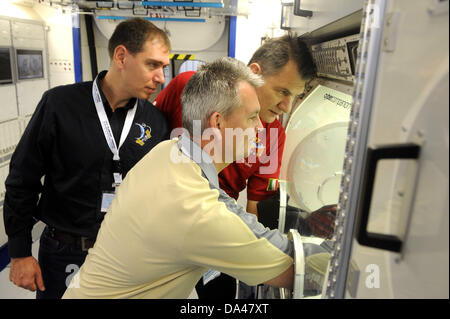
184, 57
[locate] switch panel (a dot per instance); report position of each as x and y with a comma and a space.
336, 59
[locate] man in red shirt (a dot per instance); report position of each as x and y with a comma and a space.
285, 65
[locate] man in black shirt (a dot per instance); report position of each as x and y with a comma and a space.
73, 140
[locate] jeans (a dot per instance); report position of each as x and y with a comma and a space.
59, 262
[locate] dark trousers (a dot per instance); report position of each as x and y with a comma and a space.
246, 292
222, 287
59, 262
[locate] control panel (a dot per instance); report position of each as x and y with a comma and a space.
336, 59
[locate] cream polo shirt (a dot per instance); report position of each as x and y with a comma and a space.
168, 224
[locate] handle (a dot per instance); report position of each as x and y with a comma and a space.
375, 240
300, 12
321, 186
299, 264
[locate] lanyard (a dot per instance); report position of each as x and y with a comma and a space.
107, 131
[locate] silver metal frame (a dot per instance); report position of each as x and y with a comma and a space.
365, 80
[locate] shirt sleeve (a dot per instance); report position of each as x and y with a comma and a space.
234, 243
259, 185
23, 183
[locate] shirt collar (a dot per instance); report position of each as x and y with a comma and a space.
192, 150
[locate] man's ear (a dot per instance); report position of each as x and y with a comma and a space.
119, 55
216, 121
256, 68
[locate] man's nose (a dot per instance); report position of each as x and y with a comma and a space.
159, 76
285, 104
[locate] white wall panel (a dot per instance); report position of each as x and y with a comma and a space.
216, 51
21, 28
187, 36
23, 43
324, 12
28, 35
5, 33
17, 11
60, 44
29, 94
9, 136
28, 30
8, 103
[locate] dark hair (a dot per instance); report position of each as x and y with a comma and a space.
133, 33
277, 52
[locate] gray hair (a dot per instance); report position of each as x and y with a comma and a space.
215, 88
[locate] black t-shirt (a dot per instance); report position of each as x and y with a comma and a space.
64, 142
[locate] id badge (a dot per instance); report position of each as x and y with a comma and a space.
107, 199
117, 179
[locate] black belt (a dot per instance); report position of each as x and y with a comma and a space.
84, 243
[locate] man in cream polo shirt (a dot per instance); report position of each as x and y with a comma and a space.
170, 222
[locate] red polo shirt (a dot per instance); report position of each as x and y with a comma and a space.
169, 99
254, 172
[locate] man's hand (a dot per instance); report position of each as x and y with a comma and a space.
321, 221
252, 207
26, 273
